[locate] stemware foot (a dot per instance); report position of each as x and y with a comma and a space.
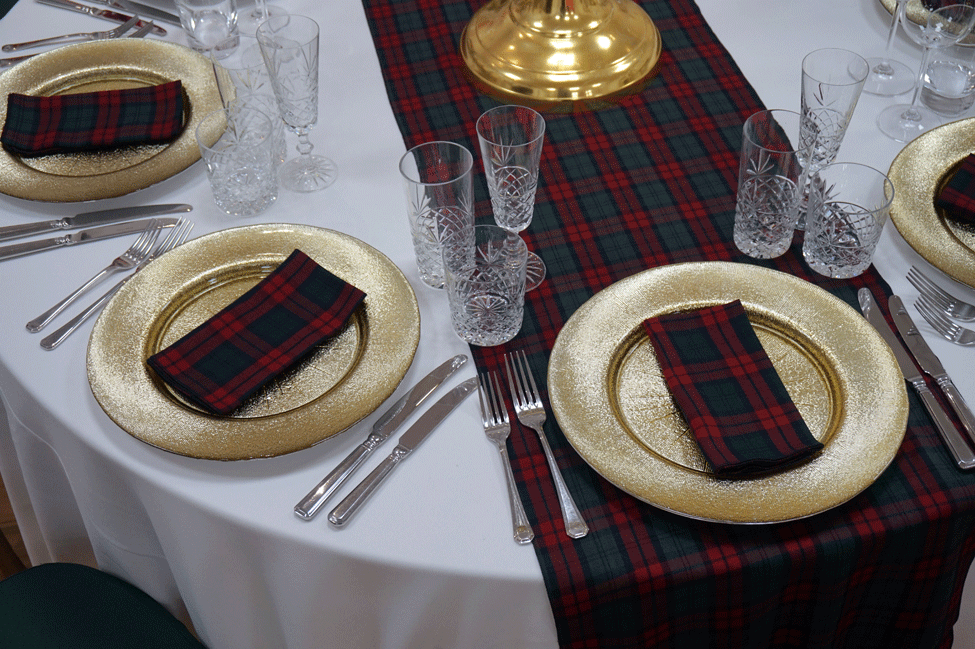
888, 78
307, 173
534, 272
903, 122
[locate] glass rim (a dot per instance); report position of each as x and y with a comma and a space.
769, 111
886, 183
228, 112
263, 32
505, 108
853, 57
468, 162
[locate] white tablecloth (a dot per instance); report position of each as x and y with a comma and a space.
429, 562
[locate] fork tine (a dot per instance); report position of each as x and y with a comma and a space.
925, 286
938, 321
494, 385
486, 417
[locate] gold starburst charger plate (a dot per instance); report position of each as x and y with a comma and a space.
610, 399
105, 65
339, 383
918, 173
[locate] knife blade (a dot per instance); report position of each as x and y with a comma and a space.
86, 219
84, 236
419, 431
381, 431
964, 457
106, 14
148, 11
930, 363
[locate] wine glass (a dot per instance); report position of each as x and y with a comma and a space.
943, 28
289, 45
889, 77
511, 140
248, 22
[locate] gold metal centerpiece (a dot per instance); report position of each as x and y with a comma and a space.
561, 54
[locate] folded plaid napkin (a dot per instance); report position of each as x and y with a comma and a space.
92, 120
261, 334
957, 198
729, 392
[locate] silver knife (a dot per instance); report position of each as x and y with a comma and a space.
148, 11
93, 234
107, 14
419, 431
964, 457
381, 430
930, 363
91, 218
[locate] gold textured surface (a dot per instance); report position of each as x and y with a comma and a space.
918, 173
341, 382
105, 65
610, 399
917, 13
561, 53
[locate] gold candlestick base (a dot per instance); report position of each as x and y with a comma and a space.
560, 55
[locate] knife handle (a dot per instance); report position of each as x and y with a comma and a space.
358, 496
24, 229
960, 450
958, 403
20, 249
311, 503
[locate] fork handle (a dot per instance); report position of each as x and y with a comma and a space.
575, 526
523, 532
59, 336
960, 406
53, 40
45, 318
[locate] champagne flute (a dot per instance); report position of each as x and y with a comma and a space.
289, 44
889, 77
943, 28
511, 140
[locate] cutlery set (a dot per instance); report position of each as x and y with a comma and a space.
138, 32
531, 413
110, 223
915, 349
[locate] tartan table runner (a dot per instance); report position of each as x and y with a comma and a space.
646, 183
728, 391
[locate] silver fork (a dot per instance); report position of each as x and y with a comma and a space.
73, 38
940, 298
175, 238
942, 325
497, 427
13, 60
128, 260
142, 31
531, 413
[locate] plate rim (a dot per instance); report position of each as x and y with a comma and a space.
124, 389
22, 181
916, 185
582, 413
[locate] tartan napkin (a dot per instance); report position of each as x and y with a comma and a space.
729, 392
261, 334
957, 198
87, 121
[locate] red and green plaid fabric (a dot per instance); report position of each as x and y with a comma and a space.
258, 336
86, 121
646, 183
729, 393
957, 198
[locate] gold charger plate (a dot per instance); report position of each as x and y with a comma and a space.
104, 65
918, 173
341, 382
611, 400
